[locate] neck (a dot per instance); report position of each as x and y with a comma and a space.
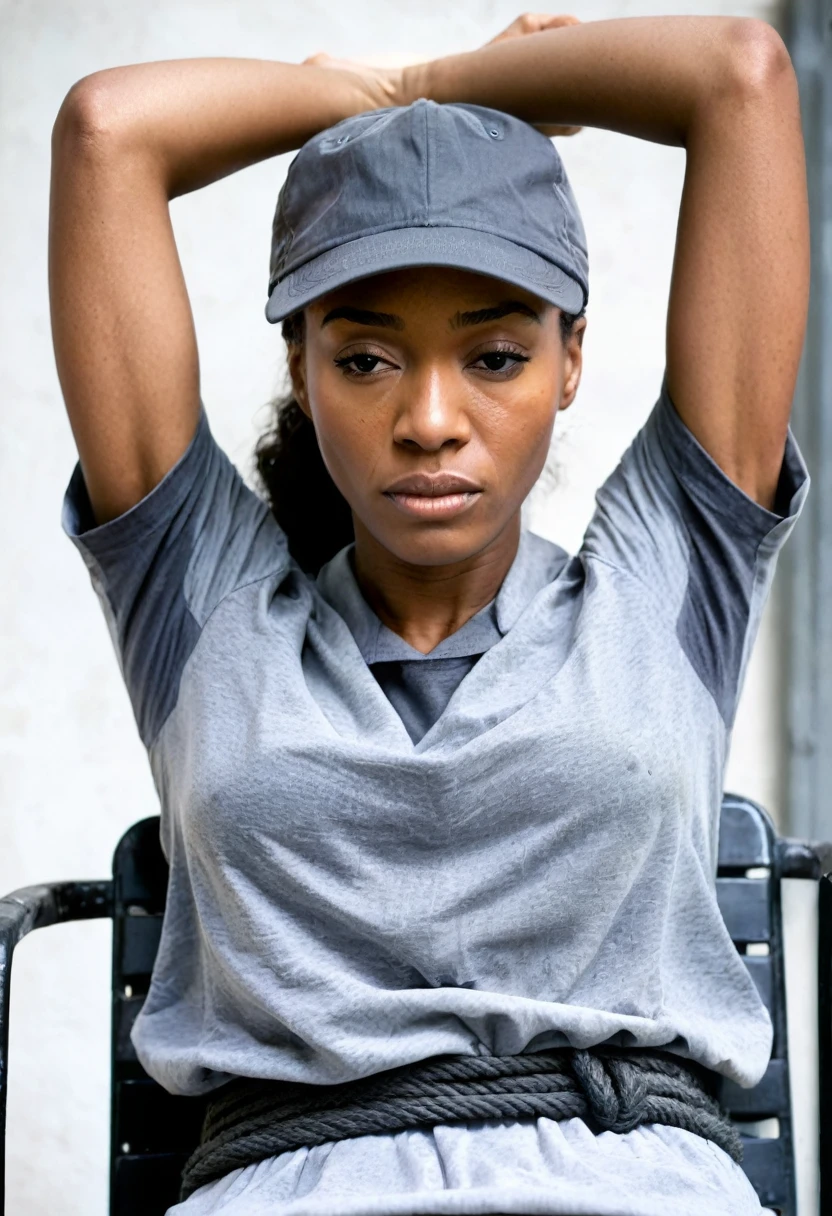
426, 604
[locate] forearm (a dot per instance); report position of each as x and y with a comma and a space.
649, 77
194, 121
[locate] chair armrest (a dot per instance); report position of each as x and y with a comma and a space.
802, 859
20, 912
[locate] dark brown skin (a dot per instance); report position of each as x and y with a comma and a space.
434, 389
129, 140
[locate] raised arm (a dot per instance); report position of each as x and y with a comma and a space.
125, 143
724, 89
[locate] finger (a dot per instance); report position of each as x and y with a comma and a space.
535, 23
529, 23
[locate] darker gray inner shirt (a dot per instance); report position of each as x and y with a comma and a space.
418, 686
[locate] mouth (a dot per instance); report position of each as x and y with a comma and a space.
441, 506
433, 495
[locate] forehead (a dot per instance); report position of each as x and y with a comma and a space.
444, 289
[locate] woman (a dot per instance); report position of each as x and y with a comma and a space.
443, 792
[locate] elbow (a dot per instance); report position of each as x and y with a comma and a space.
758, 63
91, 117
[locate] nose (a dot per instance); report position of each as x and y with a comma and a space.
433, 412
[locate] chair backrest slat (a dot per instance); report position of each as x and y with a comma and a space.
746, 908
139, 943
767, 1100
769, 1164
761, 971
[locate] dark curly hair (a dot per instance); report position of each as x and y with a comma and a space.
305, 501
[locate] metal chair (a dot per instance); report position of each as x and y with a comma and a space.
153, 1132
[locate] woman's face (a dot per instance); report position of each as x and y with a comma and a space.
434, 393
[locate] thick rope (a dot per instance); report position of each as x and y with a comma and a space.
612, 1090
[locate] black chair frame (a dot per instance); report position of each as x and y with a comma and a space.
153, 1132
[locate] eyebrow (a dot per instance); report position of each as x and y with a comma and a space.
363, 316
389, 320
481, 316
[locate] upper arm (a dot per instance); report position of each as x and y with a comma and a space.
122, 328
740, 283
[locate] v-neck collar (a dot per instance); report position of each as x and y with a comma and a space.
536, 563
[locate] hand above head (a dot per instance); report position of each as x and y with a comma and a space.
382, 84
383, 77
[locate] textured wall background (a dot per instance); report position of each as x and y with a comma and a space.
73, 774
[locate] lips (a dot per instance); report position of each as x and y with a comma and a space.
433, 485
433, 496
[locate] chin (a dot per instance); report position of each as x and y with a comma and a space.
437, 545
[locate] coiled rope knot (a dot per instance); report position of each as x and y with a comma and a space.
615, 1091
625, 1089
611, 1089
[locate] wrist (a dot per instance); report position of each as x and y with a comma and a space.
420, 80
353, 88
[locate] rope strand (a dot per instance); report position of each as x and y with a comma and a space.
611, 1089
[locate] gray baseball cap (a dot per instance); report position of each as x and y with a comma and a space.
427, 185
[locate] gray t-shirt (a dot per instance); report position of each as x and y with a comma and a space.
537, 869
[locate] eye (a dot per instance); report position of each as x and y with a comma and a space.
360, 364
499, 360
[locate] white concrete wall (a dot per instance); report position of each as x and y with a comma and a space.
73, 774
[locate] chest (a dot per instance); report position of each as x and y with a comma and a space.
584, 725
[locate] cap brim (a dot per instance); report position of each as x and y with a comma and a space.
462, 248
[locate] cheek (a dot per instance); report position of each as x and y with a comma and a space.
518, 432
351, 440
